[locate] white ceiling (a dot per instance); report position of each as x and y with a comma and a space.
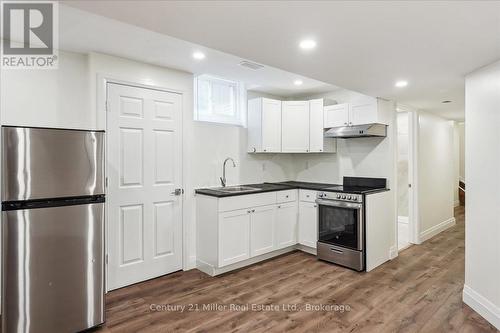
84, 32
362, 45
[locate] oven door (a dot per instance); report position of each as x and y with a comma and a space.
341, 223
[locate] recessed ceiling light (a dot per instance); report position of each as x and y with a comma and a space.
198, 55
298, 82
445, 102
401, 84
307, 44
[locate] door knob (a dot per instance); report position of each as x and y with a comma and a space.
177, 191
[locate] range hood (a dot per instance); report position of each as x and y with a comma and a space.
357, 131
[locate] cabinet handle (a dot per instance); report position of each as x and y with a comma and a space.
345, 123
249, 211
253, 210
254, 150
350, 123
315, 206
265, 149
321, 150
279, 206
286, 196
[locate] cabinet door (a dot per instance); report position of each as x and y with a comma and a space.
286, 225
271, 125
308, 223
262, 220
336, 115
316, 125
363, 113
295, 126
234, 236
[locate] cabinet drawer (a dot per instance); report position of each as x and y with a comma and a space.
307, 195
246, 201
286, 196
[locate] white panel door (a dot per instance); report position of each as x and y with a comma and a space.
271, 125
262, 230
286, 225
144, 169
295, 126
336, 115
234, 236
316, 125
308, 223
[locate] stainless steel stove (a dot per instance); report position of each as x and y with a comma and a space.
341, 229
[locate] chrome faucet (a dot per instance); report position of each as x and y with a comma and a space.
223, 178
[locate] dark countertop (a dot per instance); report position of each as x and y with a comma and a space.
290, 185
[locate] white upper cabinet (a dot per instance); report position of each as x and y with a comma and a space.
287, 127
317, 142
264, 125
359, 112
363, 112
336, 115
295, 127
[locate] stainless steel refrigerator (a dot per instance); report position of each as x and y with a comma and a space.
52, 229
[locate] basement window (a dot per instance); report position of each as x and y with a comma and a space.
218, 100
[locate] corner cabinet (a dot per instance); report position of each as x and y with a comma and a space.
264, 125
295, 127
287, 127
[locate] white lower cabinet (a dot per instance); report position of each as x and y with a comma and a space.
237, 229
308, 223
234, 236
262, 221
286, 225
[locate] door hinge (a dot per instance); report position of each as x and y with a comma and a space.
106, 105
409, 185
106, 259
106, 182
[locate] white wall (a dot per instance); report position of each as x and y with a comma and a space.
403, 159
461, 138
482, 206
436, 174
48, 98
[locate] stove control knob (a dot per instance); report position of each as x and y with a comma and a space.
349, 197
338, 196
343, 197
321, 195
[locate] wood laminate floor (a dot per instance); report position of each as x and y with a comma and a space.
420, 291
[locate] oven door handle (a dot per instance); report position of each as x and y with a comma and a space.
341, 204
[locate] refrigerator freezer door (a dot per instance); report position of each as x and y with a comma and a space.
39, 163
53, 269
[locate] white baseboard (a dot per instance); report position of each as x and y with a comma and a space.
433, 231
482, 306
403, 219
393, 252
